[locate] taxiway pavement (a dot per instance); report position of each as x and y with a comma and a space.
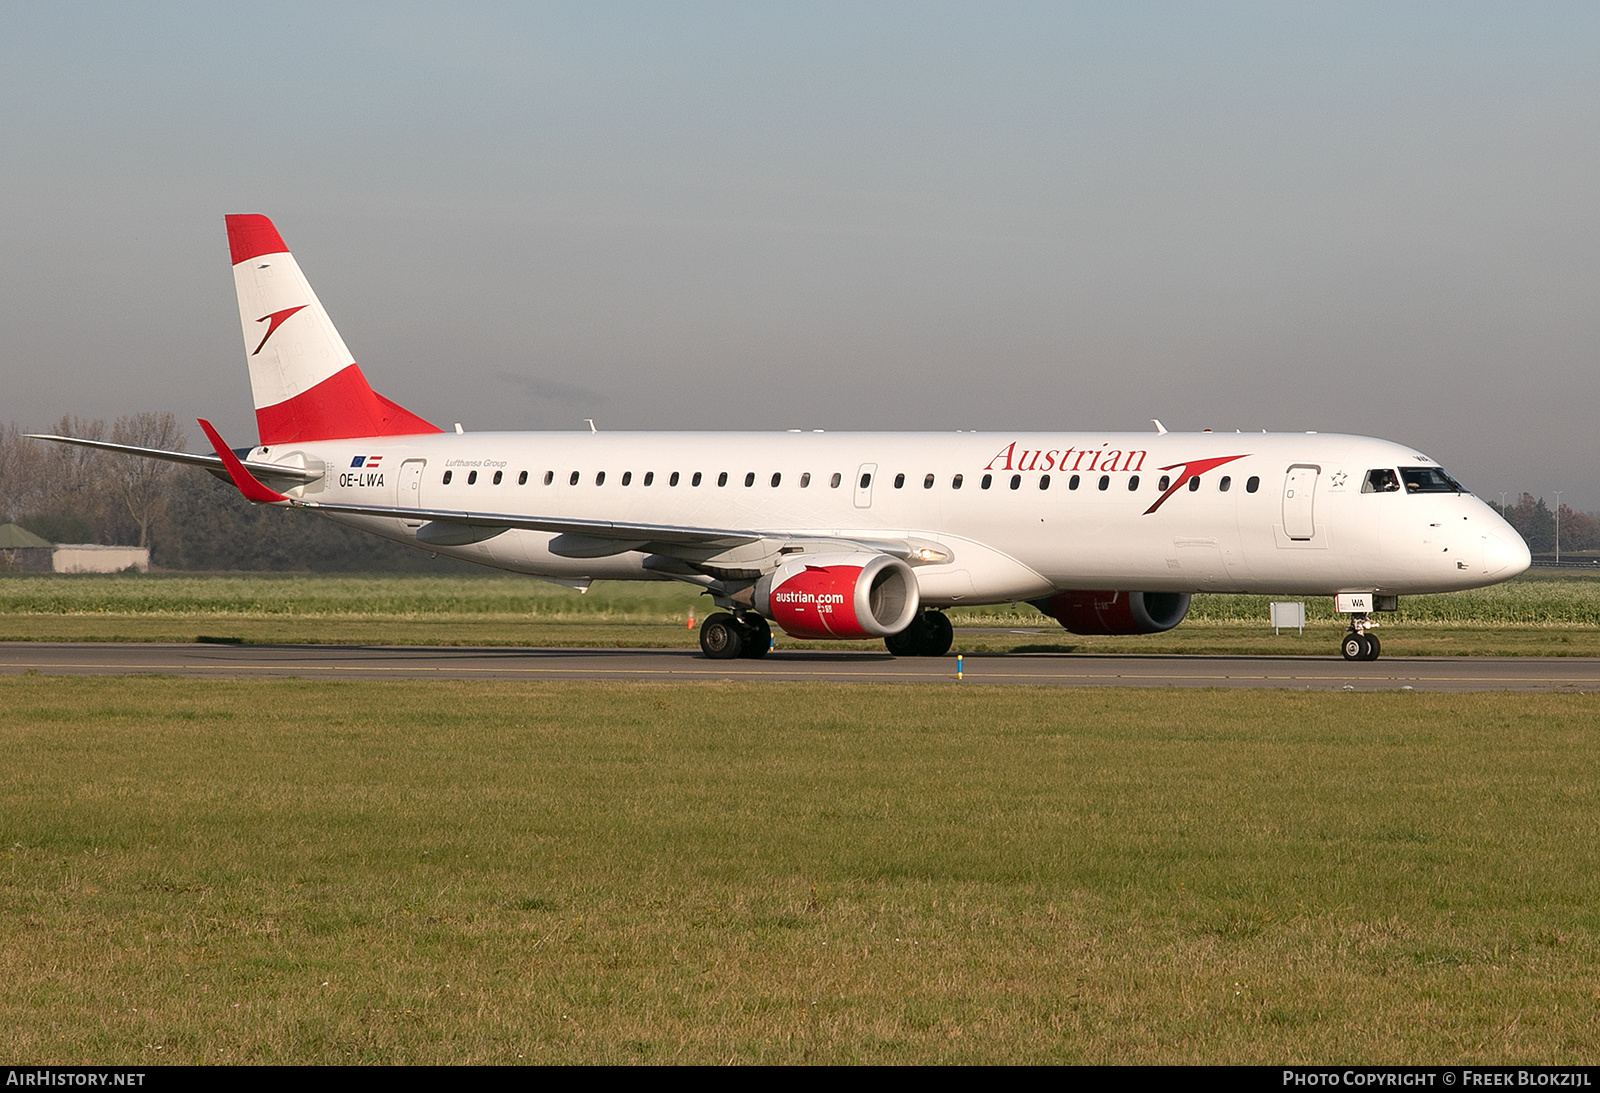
664, 665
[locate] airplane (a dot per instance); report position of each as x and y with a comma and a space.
849, 535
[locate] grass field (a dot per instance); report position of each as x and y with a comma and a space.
1540, 614
286, 871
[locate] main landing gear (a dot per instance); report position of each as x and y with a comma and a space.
727, 637
929, 635
1359, 643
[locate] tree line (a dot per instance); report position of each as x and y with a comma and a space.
1536, 523
190, 520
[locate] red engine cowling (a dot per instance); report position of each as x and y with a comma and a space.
844, 595
1116, 612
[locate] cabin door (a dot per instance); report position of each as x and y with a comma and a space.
1299, 501
410, 487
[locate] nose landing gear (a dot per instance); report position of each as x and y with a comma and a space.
1359, 643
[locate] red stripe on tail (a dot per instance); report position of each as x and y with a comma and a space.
343, 405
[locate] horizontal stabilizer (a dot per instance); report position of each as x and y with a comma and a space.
212, 463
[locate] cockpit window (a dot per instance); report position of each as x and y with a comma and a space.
1429, 480
1382, 480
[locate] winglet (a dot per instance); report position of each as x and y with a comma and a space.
248, 485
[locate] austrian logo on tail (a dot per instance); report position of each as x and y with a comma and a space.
274, 321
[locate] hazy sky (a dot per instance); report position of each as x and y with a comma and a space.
1380, 219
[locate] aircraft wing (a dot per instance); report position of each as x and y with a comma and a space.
596, 529
212, 463
598, 538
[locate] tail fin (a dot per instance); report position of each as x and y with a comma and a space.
306, 384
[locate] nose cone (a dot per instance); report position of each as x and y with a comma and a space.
1504, 560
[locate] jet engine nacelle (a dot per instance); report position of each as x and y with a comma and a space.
1116, 612
843, 595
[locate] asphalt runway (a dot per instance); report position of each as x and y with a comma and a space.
1578, 674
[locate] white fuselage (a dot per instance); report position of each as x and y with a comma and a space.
1306, 527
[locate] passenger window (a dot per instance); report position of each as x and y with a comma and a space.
1105, 482
988, 480
1194, 483
472, 478
776, 478
955, 483
749, 479
627, 478
522, 479
600, 478
1164, 482
649, 478
1044, 481
1222, 486
549, 477
1016, 481
497, 476
1072, 483
927, 483
573, 481
1133, 483
805, 480
722, 479
695, 481
899, 480
447, 476
1382, 480
833, 483
672, 479
1252, 484
866, 480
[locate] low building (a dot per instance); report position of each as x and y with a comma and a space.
21, 551
93, 558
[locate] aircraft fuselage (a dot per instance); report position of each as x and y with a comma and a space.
1016, 516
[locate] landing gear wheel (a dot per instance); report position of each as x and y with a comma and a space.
720, 637
908, 642
756, 636
929, 635
1373, 648
940, 634
1353, 648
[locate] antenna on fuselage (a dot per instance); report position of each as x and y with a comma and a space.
1161, 430
592, 429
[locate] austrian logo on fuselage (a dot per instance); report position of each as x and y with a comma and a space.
1102, 460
